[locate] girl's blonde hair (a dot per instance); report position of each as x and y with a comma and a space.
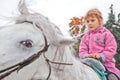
95, 13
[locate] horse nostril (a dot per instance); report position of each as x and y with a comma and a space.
26, 43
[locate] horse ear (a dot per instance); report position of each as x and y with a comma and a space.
66, 41
22, 7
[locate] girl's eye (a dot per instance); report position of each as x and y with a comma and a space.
92, 20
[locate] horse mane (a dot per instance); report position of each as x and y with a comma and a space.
40, 21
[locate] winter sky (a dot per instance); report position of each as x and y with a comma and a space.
60, 11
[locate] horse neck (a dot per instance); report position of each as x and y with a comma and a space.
59, 54
64, 54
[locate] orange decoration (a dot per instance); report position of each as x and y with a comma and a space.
75, 21
74, 24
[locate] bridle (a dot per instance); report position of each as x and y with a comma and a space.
7, 71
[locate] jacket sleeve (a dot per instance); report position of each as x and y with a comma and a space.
110, 47
83, 48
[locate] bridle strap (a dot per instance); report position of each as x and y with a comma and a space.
48, 61
24, 63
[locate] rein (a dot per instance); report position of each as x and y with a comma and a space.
7, 71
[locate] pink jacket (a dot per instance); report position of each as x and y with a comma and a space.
100, 41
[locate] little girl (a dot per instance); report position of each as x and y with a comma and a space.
98, 42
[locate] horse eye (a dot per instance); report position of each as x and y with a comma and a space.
27, 43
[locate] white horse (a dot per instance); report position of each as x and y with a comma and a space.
35, 49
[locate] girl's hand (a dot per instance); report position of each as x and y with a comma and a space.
96, 56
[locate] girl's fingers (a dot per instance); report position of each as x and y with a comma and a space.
97, 56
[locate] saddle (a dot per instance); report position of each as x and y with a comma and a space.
100, 69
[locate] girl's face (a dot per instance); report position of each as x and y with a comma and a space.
93, 23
